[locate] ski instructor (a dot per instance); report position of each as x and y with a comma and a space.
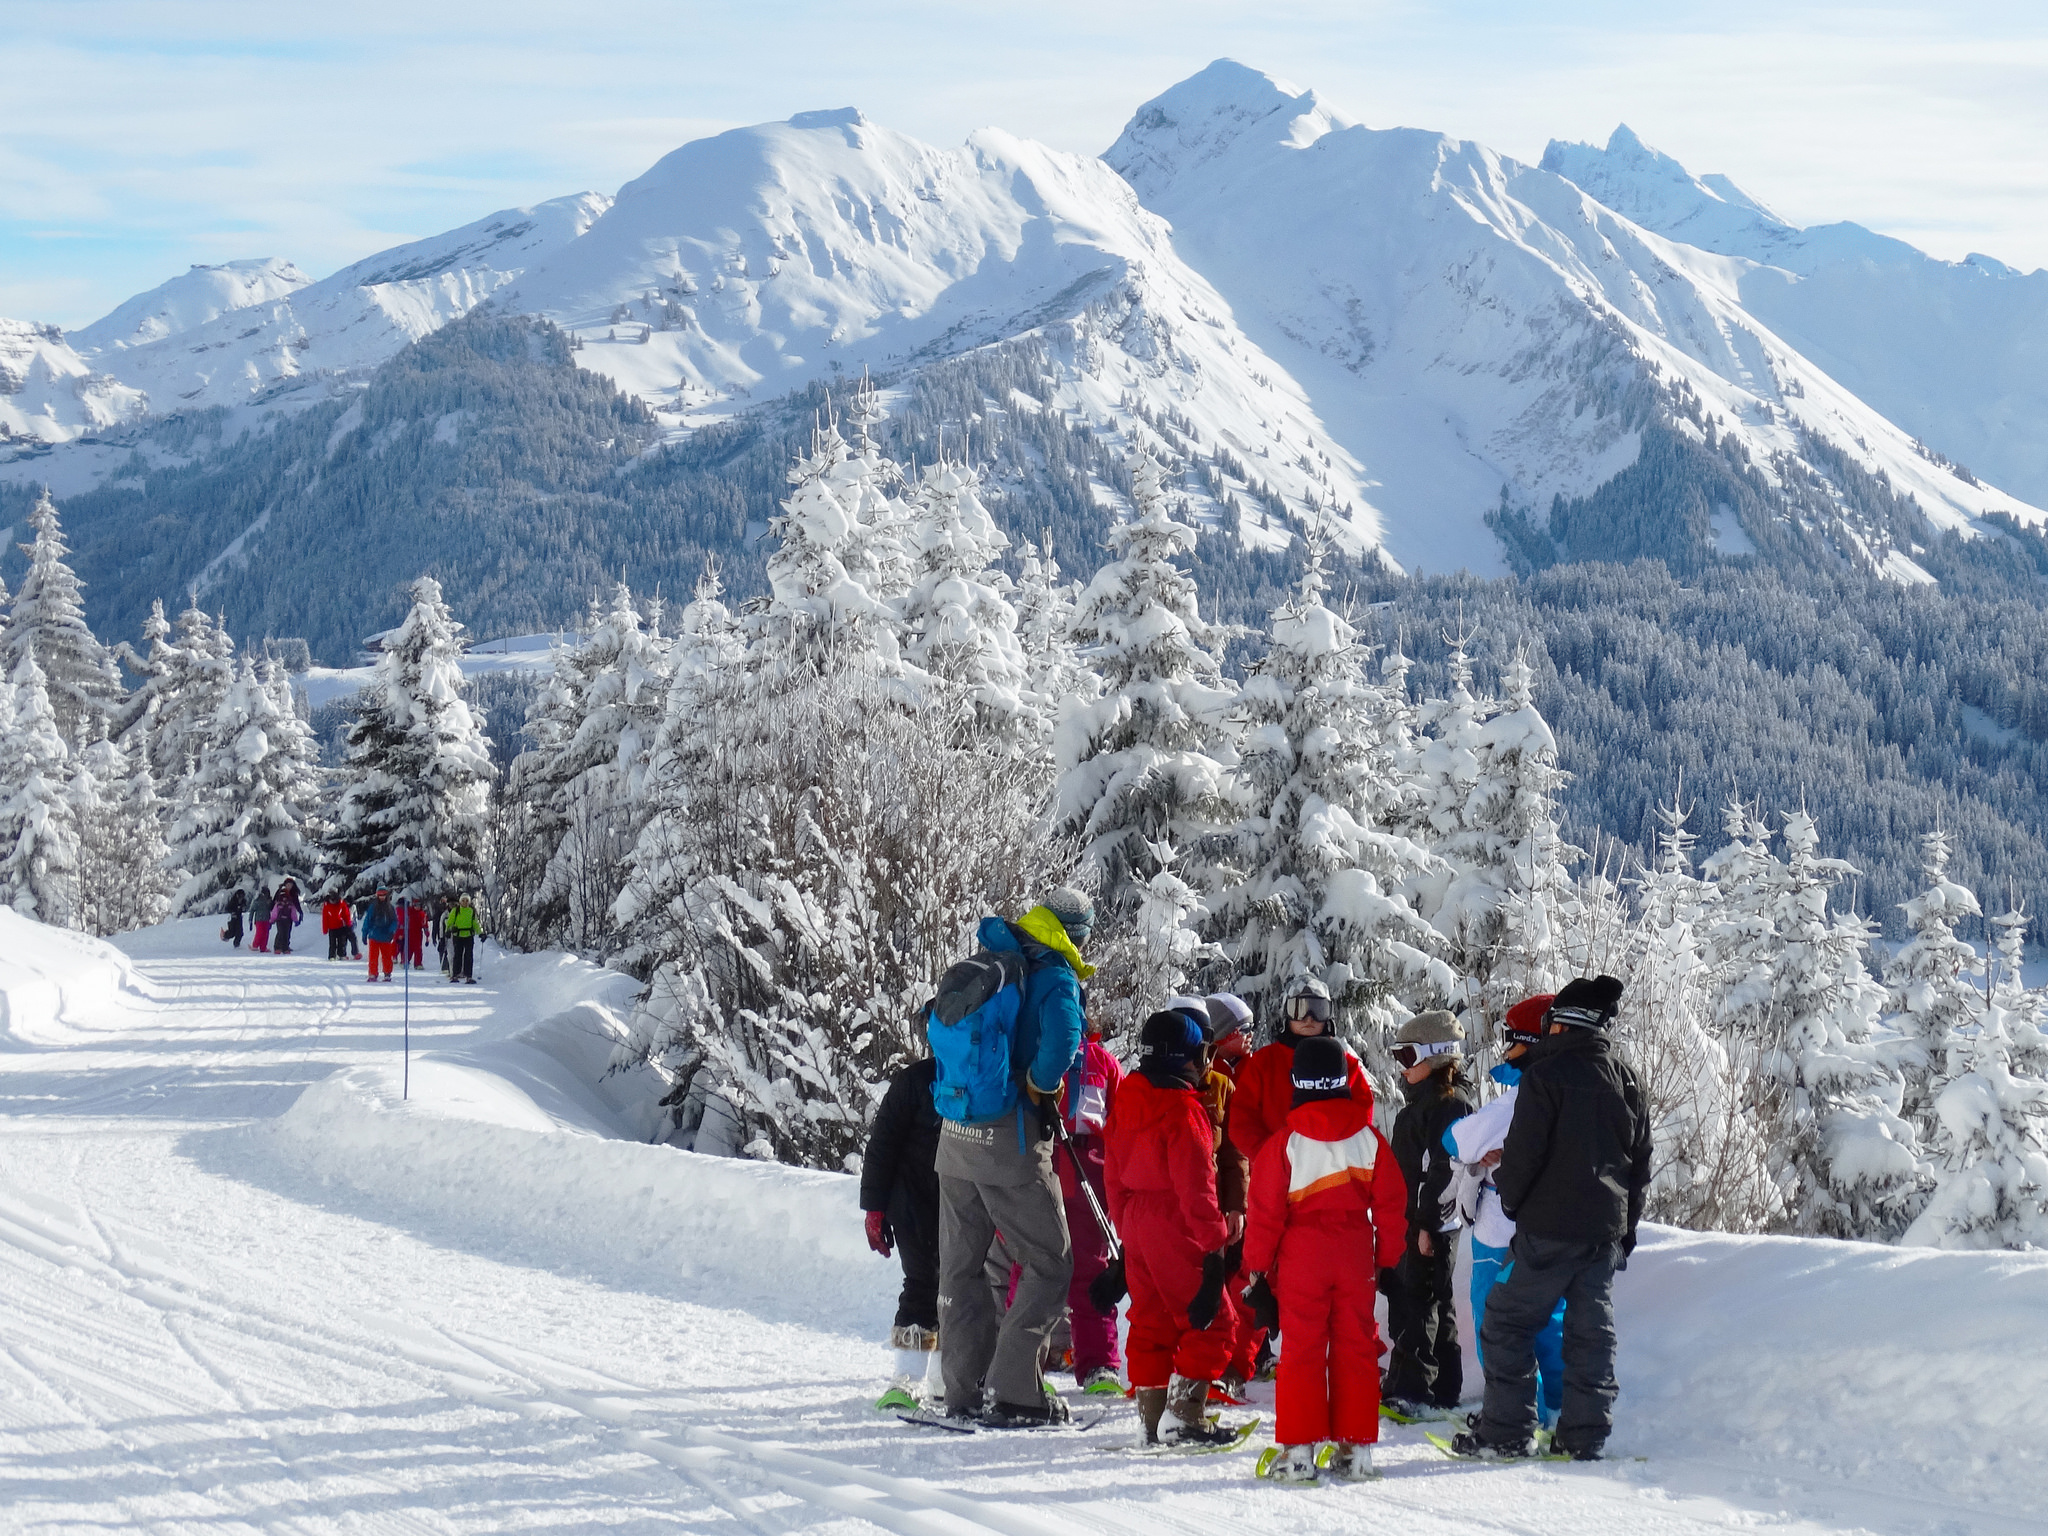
1572, 1176
996, 1174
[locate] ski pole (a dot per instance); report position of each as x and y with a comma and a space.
1059, 1122
405, 955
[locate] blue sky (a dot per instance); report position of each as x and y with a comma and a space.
140, 136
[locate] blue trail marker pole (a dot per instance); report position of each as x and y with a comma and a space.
405, 964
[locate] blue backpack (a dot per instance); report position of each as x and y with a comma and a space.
972, 1027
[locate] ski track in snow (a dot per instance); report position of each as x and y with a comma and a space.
195, 1338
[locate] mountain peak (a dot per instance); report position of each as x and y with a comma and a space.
1206, 115
1642, 183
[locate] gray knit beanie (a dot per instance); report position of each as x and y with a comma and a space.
1074, 910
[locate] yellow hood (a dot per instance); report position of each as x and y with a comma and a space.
1044, 926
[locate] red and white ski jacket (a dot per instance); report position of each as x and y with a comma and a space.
1326, 1167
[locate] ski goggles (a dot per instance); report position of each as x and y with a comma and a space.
1308, 1007
1407, 1055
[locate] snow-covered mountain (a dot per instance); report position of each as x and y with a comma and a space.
187, 302
1463, 321
1955, 352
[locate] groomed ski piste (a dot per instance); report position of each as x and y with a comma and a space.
244, 1286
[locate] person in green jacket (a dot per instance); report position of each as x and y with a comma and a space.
461, 927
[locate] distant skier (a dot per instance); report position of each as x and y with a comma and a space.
899, 1191
1328, 1213
238, 903
412, 938
285, 915
995, 1167
1161, 1178
1427, 1368
1572, 1177
259, 914
1475, 1142
335, 921
380, 934
460, 930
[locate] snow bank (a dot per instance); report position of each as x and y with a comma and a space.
1903, 1370
51, 978
522, 1147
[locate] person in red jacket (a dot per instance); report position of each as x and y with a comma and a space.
1087, 1097
1160, 1174
1265, 1092
1328, 1213
412, 936
338, 923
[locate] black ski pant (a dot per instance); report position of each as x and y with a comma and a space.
462, 958
337, 943
1545, 1271
1428, 1363
281, 937
233, 932
917, 1250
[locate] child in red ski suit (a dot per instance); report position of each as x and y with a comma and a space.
1087, 1096
1328, 1213
1160, 1175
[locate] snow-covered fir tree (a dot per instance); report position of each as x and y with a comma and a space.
1320, 874
417, 766
1790, 980
47, 621
1935, 1007
869, 485
39, 836
2026, 1010
126, 876
184, 679
1054, 671
958, 625
242, 822
1146, 765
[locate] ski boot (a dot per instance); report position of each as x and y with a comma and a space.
1468, 1444
1186, 1421
1289, 1464
1351, 1464
1047, 1411
1151, 1409
1101, 1381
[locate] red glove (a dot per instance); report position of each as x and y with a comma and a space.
880, 1238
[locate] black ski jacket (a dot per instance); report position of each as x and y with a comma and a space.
1418, 1143
1577, 1157
898, 1171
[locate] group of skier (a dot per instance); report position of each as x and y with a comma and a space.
390, 929
1247, 1203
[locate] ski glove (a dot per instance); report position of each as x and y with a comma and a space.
1202, 1310
880, 1238
1107, 1288
1265, 1307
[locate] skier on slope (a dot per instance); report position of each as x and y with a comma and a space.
995, 1172
335, 922
1475, 1142
1087, 1097
899, 1192
238, 903
1572, 1176
1328, 1214
461, 926
259, 915
1427, 1367
285, 915
1161, 1179
412, 938
380, 933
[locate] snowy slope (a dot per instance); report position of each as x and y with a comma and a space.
746, 264
187, 302
245, 1286
1951, 351
1463, 321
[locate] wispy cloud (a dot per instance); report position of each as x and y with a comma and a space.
168, 134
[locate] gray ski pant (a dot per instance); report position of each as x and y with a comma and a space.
981, 1344
1545, 1271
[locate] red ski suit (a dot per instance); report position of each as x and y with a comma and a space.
1265, 1093
1160, 1176
1328, 1212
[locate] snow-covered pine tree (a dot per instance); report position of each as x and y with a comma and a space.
1712, 1169
243, 821
1935, 1007
1054, 671
171, 714
39, 838
1789, 978
417, 769
595, 731
870, 485
1320, 874
1460, 894
958, 625
125, 876
136, 723
47, 620
2026, 1010
1146, 765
